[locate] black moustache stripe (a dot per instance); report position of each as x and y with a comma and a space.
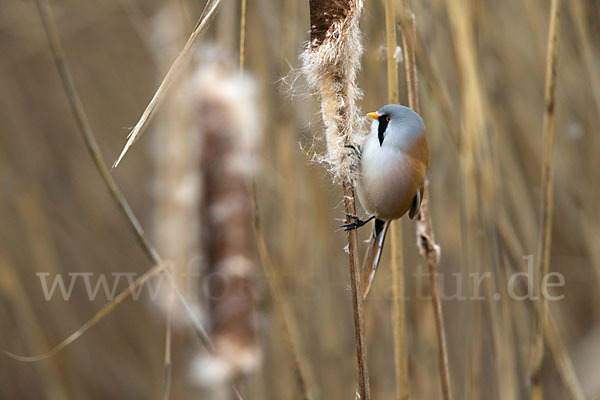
383, 123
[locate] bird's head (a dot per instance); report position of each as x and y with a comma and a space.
397, 125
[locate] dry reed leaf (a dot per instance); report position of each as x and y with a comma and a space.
182, 59
103, 312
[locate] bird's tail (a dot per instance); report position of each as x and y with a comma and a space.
373, 254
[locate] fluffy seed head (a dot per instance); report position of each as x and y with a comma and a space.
331, 62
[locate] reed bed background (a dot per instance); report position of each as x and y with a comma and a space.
481, 83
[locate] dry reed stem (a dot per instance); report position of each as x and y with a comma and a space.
441, 96
408, 29
545, 238
174, 71
399, 315
438, 90
243, 35
392, 64
289, 323
86, 131
93, 149
357, 300
477, 162
35, 220
509, 236
430, 251
166, 390
175, 239
290, 327
396, 243
331, 62
104, 311
590, 57
561, 357
176, 156
34, 333
425, 236
477, 178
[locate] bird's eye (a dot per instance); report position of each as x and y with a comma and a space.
388, 118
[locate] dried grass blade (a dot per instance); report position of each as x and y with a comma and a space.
175, 70
104, 311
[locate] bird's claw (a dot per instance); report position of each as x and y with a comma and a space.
356, 150
357, 222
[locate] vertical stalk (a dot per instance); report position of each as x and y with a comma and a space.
331, 62
425, 236
396, 245
175, 236
167, 358
282, 307
392, 64
289, 323
545, 239
95, 153
357, 300
243, 35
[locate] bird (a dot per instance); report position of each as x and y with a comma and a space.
393, 163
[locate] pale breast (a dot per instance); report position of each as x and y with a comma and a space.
389, 179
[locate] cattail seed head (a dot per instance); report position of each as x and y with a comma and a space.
331, 62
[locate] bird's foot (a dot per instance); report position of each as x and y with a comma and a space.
356, 150
356, 222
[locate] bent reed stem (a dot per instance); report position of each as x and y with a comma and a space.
428, 248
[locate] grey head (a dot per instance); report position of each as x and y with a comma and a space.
398, 125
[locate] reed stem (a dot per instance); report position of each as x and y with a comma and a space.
331, 62
545, 239
166, 393
243, 35
425, 236
357, 300
396, 245
93, 149
282, 307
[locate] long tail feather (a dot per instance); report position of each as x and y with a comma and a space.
373, 254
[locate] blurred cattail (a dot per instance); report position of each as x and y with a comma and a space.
226, 122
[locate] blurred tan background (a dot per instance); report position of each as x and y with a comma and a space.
57, 217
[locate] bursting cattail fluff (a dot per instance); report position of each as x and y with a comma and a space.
331, 62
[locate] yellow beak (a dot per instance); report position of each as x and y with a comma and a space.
373, 115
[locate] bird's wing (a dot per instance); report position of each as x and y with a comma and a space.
373, 254
416, 203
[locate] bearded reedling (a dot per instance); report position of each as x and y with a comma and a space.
393, 165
